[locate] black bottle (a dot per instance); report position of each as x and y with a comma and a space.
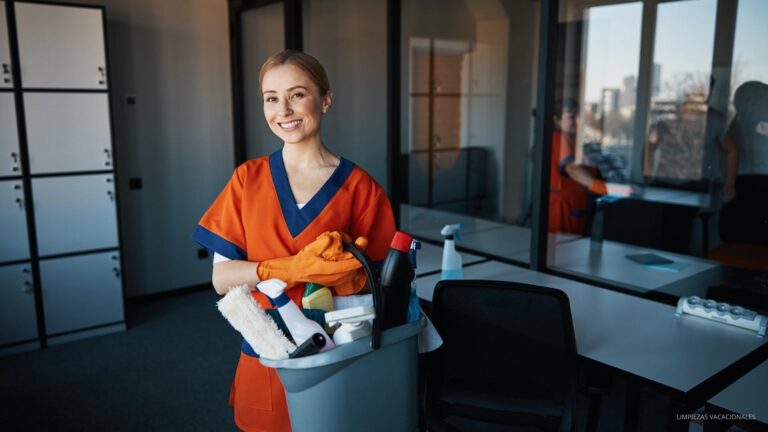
396, 276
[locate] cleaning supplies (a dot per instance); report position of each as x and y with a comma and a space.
258, 329
451, 259
317, 296
300, 327
310, 346
396, 277
414, 311
354, 323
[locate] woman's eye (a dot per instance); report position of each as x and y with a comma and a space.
297, 95
271, 99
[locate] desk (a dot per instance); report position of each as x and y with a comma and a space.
640, 337
671, 196
748, 395
610, 265
426, 222
430, 258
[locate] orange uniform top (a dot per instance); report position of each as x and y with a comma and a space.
568, 200
256, 218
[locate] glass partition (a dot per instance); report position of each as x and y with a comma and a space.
660, 152
468, 85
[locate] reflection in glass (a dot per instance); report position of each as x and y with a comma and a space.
680, 84
612, 53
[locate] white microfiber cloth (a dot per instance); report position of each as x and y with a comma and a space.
258, 329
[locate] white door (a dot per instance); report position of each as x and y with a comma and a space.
68, 132
13, 218
10, 165
5, 52
61, 47
81, 291
18, 320
74, 213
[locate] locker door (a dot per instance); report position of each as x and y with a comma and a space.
13, 218
47, 32
74, 213
10, 165
5, 52
18, 321
81, 291
68, 132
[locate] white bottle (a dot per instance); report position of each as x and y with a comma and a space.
301, 327
451, 259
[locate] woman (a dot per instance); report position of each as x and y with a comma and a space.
276, 205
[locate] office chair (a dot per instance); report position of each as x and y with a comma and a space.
508, 358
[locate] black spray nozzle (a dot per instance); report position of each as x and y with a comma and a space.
310, 346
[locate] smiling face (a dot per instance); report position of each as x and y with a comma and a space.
293, 104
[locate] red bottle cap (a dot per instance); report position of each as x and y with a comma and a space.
402, 241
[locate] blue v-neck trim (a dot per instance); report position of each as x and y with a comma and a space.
297, 220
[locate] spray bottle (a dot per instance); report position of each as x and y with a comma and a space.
300, 327
396, 277
414, 311
451, 259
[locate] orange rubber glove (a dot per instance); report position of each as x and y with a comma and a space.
598, 187
323, 261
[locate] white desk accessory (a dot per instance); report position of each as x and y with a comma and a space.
724, 313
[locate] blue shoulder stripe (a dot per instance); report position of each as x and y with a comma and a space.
214, 243
298, 219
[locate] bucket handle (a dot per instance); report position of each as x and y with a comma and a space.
375, 287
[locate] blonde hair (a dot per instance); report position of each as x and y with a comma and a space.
303, 61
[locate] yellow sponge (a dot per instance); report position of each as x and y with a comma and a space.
320, 299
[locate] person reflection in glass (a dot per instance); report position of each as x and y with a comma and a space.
744, 216
570, 182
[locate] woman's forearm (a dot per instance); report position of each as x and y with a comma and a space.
227, 274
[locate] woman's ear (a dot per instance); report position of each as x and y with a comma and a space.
327, 101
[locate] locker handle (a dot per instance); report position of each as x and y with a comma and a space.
25, 270
20, 202
27, 287
6, 68
111, 195
101, 72
116, 271
17, 187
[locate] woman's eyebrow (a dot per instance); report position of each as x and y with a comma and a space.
290, 89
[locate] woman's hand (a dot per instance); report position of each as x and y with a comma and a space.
324, 261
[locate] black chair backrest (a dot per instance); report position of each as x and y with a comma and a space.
503, 338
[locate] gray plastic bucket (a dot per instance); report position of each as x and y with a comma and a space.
354, 388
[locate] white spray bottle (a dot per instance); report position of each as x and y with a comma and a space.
301, 327
451, 259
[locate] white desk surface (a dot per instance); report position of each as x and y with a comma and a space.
430, 258
610, 265
748, 395
639, 336
672, 196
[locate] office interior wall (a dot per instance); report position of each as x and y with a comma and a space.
349, 38
521, 96
172, 57
263, 34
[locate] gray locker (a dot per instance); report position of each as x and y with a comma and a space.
81, 291
18, 320
6, 80
74, 213
68, 132
10, 164
61, 46
13, 218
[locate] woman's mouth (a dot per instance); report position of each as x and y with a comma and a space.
289, 126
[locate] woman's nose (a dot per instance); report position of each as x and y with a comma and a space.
285, 108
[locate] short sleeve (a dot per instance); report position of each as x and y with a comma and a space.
565, 155
377, 224
220, 230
